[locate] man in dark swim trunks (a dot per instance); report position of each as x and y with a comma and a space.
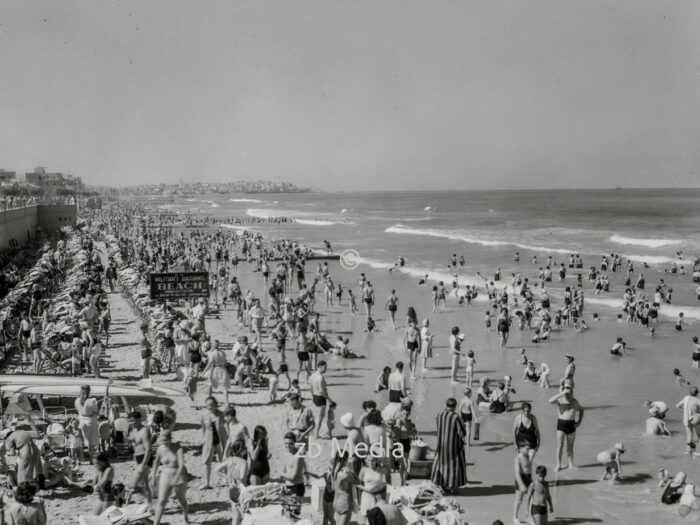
568, 407
319, 394
140, 438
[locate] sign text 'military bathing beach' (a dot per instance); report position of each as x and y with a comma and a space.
179, 285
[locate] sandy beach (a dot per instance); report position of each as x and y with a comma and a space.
578, 495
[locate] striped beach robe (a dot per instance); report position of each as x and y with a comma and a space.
450, 463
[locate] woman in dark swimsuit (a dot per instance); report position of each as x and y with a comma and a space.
526, 429
411, 315
530, 373
259, 464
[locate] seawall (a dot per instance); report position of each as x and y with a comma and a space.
19, 225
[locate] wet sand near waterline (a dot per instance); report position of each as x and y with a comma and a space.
612, 391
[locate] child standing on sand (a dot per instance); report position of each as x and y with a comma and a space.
696, 352
544, 372
339, 294
190, 383
75, 442
330, 418
274, 381
487, 320
470, 367
523, 360
538, 497
353, 302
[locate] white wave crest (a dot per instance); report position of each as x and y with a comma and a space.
458, 236
434, 276
261, 214
649, 243
651, 259
472, 239
307, 218
316, 222
244, 200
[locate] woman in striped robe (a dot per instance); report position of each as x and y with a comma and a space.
450, 463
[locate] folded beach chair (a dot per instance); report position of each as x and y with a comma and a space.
56, 437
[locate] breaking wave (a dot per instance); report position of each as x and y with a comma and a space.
649, 243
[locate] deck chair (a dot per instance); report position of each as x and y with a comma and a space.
52, 365
56, 437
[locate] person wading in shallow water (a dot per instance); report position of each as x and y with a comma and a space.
567, 424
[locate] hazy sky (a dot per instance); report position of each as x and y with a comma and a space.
354, 95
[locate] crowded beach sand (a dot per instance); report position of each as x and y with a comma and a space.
611, 389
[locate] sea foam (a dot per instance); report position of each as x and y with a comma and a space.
649, 243
306, 218
459, 236
316, 222
472, 239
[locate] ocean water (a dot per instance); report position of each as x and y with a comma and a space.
487, 228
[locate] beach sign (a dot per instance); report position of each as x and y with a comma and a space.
179, 285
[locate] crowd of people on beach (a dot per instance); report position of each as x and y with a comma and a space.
65, 329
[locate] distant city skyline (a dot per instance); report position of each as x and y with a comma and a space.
355, 96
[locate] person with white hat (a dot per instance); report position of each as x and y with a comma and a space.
657, 408
569, 371
611, 460
568, 408
355, 435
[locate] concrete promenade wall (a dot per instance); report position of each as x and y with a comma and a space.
20, 225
